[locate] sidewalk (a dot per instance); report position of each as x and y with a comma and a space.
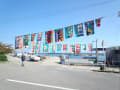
54, 61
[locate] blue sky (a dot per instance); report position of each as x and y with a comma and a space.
20, 17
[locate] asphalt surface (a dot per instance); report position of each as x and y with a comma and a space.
39, 76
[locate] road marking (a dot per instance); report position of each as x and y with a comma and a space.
37, 84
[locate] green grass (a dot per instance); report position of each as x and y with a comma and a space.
109, 71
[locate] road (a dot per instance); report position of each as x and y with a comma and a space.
39, 76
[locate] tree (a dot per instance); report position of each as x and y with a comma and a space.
4, 48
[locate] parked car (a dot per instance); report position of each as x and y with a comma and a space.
34, 58
41, 57
19, 55
27, 56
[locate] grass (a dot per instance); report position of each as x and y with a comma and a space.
3, 61
108, 71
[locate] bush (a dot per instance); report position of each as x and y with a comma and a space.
3, 57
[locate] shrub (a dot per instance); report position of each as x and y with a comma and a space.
3, 57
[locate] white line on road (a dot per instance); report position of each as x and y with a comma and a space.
37, 84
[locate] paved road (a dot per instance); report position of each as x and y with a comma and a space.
38, 76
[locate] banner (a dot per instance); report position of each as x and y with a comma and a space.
37, 49
64, 47
68, 32
79, 30
54, 48
39, 38
77, 48
26, 41
33, 37
46, 48
89, 26
49, 36
89, 47
19, 42
33, 46
83, 47
72, 48
50, 48
98, 22
59, 47
59, 36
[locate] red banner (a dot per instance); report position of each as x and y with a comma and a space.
39, 36
64, 47
98, 22
33, 47
33, 37
77, 48
49, 36
89, 47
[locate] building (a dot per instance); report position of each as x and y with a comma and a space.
113, 56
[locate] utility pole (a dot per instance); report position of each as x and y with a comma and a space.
103, 43
96, 52
118, 13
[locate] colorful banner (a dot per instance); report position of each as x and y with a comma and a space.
68, 32
51, 48
26, 41
33, 46
83, 47
59, 36
46, 48
49, 36
79, 30
19, 42
59, 47
89, 26
39, 38
89, 47
64, 47
33, 37
98, 22
22, 41
72, 48
77, 48
54, 48
37, 49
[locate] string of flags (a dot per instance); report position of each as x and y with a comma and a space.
25, 41
58, 48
